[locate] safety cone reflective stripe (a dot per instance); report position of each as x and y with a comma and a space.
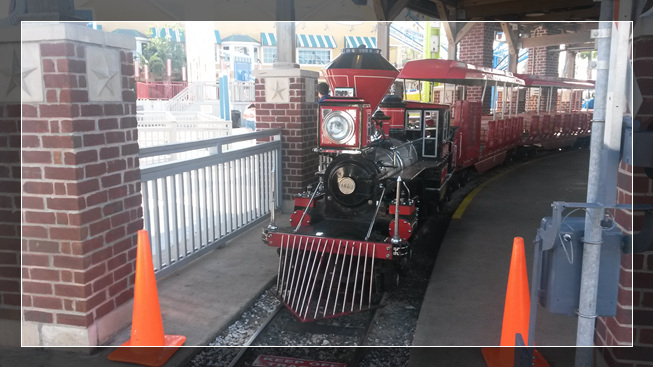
149, 345
516, 314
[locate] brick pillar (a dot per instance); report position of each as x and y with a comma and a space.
476, 48
286, 99
81, 184
543, 63
10, 187
617, 330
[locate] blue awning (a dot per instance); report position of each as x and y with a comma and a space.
218, 40
177, 36
268, 39
353, 42
94, 25
315, 41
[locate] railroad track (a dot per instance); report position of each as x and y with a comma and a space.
238, 359
357, 334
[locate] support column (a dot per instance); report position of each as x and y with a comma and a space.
476, 49
383, 38
287, 99
81, 184
543, 63
286, 46
634, 186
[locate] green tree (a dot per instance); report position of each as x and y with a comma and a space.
591, 55
157, 51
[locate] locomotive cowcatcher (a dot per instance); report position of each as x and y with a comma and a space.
384, 165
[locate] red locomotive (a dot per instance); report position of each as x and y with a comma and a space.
385, 165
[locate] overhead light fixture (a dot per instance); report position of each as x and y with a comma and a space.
533, 15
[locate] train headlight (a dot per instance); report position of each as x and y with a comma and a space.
339, 126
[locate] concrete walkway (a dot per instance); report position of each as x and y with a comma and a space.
465, 298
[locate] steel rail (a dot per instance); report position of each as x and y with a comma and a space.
238, 358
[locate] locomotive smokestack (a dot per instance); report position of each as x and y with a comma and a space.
365, 70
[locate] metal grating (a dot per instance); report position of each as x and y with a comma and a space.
316, 282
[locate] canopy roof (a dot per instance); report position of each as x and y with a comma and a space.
455, 72
549, 81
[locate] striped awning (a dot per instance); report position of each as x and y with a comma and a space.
353, 42
168, 32
268, 39
315, 41
218, 40
94, 25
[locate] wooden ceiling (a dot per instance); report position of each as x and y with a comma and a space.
506, 10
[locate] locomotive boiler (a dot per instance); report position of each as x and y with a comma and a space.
380, 172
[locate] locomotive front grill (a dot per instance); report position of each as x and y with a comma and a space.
325, 277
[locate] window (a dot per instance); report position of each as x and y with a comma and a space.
269, 55
414, 120
313, 56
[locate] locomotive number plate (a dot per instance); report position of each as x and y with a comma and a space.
346, 185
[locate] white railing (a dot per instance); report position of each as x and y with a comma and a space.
195, 92
157, 128
241, 91
193, 205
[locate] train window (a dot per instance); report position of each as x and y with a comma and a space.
431, 118
414, 120
431, 123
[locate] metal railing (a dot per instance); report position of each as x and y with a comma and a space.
159, 90
193, 205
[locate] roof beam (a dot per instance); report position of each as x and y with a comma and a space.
285, 10
510, 39
396, 8
468, 3
466, 28
588, 13
379, 10
449, 29
556, 39
518, 7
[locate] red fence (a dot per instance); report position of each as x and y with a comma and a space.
159, 90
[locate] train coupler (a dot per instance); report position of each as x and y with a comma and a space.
401, 250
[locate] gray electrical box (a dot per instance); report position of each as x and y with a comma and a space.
559, 288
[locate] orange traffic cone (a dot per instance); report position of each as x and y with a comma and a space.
516, 313
150, 346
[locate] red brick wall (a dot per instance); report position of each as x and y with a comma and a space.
616, 331
576, 100
476, 48
298, 121
81, 187
542, 62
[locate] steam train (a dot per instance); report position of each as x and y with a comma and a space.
385, 166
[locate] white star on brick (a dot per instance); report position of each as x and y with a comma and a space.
104, 76
277, 90
103, 70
